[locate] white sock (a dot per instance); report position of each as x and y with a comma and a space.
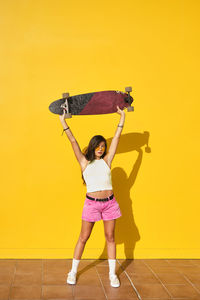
75, 264
112, 265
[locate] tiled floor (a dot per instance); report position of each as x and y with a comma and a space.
140, 279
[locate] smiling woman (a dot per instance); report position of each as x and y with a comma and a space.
100, 202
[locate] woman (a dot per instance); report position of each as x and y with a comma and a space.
100, 202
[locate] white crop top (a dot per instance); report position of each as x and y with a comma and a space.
97, 176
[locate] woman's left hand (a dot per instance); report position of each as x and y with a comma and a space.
120, 111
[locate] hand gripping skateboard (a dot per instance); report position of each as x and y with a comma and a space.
96, 103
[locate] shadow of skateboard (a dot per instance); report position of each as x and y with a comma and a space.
104, 102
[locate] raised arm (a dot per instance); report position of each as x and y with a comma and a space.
115, 140
77, 151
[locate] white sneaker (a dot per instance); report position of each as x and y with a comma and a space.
114, 281
71, 278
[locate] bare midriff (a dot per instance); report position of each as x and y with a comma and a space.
101, 194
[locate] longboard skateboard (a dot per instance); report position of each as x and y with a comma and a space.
95, 103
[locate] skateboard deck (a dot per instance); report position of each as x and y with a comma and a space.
95, 103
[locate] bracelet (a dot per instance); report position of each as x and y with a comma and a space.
64, 130
120, 126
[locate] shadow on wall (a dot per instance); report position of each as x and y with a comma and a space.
126, 231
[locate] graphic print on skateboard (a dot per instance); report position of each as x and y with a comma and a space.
103, 102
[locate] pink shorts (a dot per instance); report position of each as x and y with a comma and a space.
96, 210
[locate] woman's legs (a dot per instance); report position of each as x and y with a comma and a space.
86, 230
109, 231
109, 228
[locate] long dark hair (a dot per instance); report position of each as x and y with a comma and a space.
90, 150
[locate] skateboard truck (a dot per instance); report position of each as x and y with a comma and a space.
128, 89
66, 106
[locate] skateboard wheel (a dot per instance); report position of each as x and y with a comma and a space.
65, 95
128, 89
130, 108
147, 149
67, 116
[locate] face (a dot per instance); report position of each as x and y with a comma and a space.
100, 150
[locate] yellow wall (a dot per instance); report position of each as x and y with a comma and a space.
50, 47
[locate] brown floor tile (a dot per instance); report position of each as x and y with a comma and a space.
197, 287
180, 262
88, 265
156, 262
60, 265
122, 278
176, 278
7, 262
85, 291
132, 267
188, 269
88, 278
167, 269
25, 292
56, 261
193, 277
144, 278
7, 269
103, 262
182, 291
105, 269
152, 291
91, 270
4, 292
54, 277
123, 292
57, 292
25, 278
130, 259
96, 298
86, 272
27, 266
29, 262
6, 266
6, 277
196, 262
28, 272
133, 261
